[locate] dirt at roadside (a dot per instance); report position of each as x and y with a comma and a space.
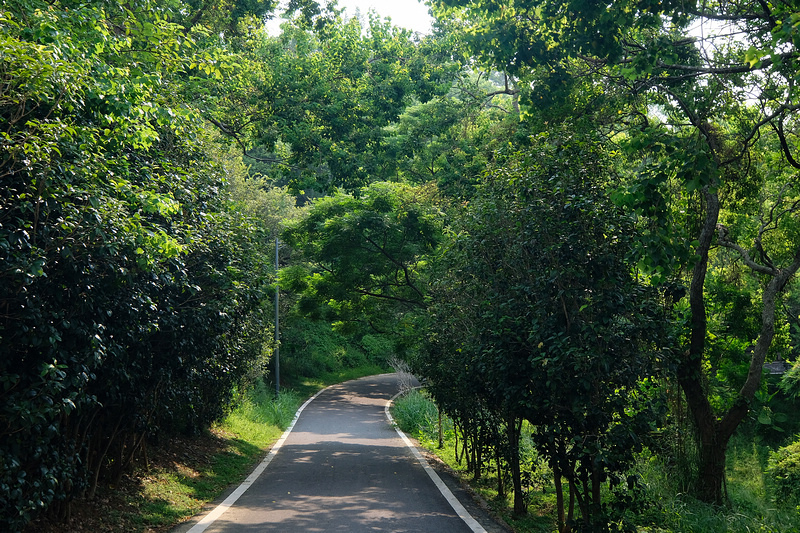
117, 508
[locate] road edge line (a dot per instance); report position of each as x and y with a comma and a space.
457, 506
211, 517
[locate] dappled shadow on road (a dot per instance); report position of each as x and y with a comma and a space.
342, 487
343, 468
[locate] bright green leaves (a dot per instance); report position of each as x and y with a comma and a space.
322, 100
785, 33
366, 253
753, 57
667, 164
134, 287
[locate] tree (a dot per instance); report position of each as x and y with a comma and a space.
556, 329
693, 104
451, 139
365, 253
131, 291
317, 101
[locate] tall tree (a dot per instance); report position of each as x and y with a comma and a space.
699, 84
555, 329
321, 99
451, 139
364, 254
130, 289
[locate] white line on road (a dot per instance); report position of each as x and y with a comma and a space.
209, 519
460, 510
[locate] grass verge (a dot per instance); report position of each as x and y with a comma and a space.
417, 416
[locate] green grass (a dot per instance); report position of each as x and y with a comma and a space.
261, 418
752, 507
416, 414
170, 494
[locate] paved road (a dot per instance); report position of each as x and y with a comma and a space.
343, 468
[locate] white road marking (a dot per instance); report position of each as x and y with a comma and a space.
209, 519
460, 510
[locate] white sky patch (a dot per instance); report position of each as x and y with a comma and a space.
409, 14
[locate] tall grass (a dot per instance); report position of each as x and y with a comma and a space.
751, 508
417, 415
670, 510
260, 417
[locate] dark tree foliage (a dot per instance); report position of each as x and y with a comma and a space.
537, 309
364, 255
129, 292
700, 91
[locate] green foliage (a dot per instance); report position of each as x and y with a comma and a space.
364, 254
790, 382
267, 206
377, 348
132, 292
312, 349
313, 104
416, 414
701, 116
784, 469
554, 327
451, 139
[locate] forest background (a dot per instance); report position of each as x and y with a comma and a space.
577, 223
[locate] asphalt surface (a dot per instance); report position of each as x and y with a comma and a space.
344, 468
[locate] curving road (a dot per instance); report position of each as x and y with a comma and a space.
343, 468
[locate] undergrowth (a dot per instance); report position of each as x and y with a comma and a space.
178, 492
184, 473
752, 505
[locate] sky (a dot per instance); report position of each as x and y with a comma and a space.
410, 14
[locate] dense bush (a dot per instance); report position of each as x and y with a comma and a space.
784, 469
131, 293
311, 348
553, 327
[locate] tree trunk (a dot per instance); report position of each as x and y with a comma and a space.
690, 367
478, 447
562, 522
711, 472
441, 433
514, 430
501, 490
714, 433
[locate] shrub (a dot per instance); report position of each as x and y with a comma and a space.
378, 348
784, 469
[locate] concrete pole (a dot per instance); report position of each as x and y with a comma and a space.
277, 351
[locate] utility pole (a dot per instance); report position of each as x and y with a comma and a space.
277, 351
